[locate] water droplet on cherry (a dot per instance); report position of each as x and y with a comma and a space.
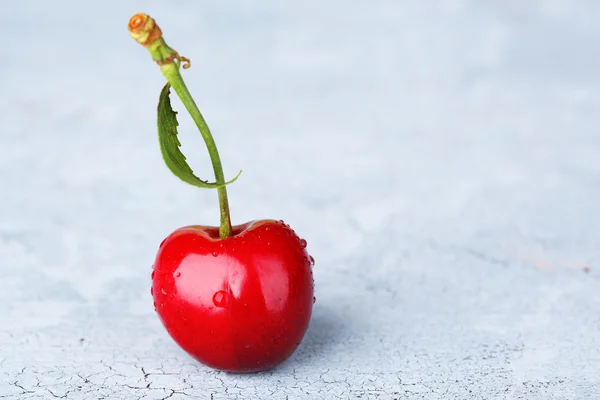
221, 245
152, 275
312, 261
314, 299
177, 274
303, 243
154, 306
151, 292
214, 253
162, 243
163, 291
268, 228
221, 298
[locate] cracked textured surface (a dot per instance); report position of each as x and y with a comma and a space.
441, 160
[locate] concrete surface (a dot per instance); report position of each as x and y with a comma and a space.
441, 158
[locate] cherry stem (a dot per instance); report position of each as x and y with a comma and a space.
146, 32
171, 72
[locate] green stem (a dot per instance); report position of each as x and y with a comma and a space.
145, 31
171, 72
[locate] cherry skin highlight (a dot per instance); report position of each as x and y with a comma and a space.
240, 304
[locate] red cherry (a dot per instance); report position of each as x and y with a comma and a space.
240, 304
235, 298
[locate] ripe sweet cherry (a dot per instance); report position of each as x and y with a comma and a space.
236, 298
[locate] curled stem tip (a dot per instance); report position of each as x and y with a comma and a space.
186, 62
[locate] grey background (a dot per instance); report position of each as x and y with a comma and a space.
441, 158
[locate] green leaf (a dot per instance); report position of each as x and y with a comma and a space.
169, 145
